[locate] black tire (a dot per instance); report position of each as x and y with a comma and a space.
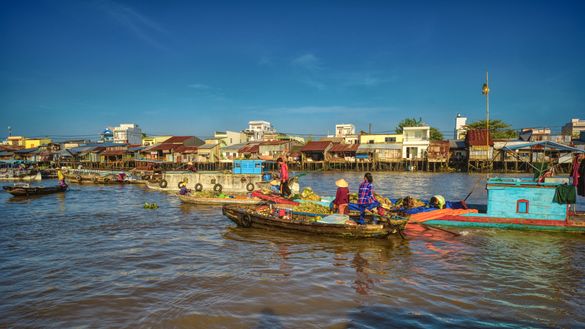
250, 187
106, 180
163, 184
217, 188
95, 180
146, 177
78, 178
198, 187
179, 184
246, 221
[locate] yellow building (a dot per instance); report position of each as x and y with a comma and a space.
15, 141
30, 143
380, 138
153, 140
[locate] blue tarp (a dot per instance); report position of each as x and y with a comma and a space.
545, 144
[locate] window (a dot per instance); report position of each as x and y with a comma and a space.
522, 206
371, 141
390, 139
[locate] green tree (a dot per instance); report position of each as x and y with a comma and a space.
436, 135
498, 128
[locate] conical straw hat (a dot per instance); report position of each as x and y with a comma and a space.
341, 183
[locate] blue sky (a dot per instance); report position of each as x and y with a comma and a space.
187, 67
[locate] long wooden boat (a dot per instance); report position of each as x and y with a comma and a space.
521, 204
22, 178
260, 217
33, 190
218, 201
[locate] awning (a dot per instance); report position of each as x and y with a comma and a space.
545, 144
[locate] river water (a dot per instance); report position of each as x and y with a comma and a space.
93, 257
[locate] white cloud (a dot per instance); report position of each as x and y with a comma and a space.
307, 61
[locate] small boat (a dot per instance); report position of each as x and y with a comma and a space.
218, 201
26, 190
263, 217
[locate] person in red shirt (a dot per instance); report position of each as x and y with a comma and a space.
341, 201
283, 172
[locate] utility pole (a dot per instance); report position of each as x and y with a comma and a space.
369, 128
9, 131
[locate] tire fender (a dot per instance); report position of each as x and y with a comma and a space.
217, 188
163, 184
198, 187
246, 221
250, 187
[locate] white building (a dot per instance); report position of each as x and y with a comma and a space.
415, 142
574, 128
231, 137
347, 132
257, 129
128, 133
460, 122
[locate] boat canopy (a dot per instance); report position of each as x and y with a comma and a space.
545, 144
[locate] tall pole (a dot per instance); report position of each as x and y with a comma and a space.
486, 90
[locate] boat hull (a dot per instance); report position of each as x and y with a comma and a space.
509, 223
31, 191
247, 217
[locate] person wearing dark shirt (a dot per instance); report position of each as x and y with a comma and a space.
341, 201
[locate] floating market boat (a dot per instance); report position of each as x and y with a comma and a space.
25, 190
273, 218
194, 199
20, 176
525, 203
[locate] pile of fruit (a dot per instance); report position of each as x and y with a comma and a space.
312, 208
409, 203
204, 194
384, 202
308, 194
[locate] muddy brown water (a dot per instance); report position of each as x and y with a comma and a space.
94, 258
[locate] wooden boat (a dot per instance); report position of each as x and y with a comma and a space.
261, 217
21, 177
23, 190
218, 201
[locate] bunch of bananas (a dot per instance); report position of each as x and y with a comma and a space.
384, 202
150, 205
409, 203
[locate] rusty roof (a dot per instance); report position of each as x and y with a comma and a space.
478, 137
177, 139
163, 147
250, 148
344, 148
319, 146
113, 152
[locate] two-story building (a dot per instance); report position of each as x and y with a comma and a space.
415, 142
228, 138
128, 133
365, 138
257, 129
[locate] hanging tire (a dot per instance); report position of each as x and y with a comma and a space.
246, 221
180, 184
163, 184
250, 187
198, 187
78, 178
106, 180
217, 188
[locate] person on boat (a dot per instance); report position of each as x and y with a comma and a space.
183, 188
437, 201
61, 178
366, 199
283, 174
341, 201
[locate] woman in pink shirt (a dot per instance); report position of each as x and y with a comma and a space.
283, 168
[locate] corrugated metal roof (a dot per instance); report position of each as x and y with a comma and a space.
186, 149
316, 146
478, 137
113, 152
177, 139
344, 148
250, 148
164, 147
207, 146
234, 147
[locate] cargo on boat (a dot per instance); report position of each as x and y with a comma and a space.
275, 218
26, 190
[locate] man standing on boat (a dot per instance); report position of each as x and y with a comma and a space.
283, 173
61, 178
366, 199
